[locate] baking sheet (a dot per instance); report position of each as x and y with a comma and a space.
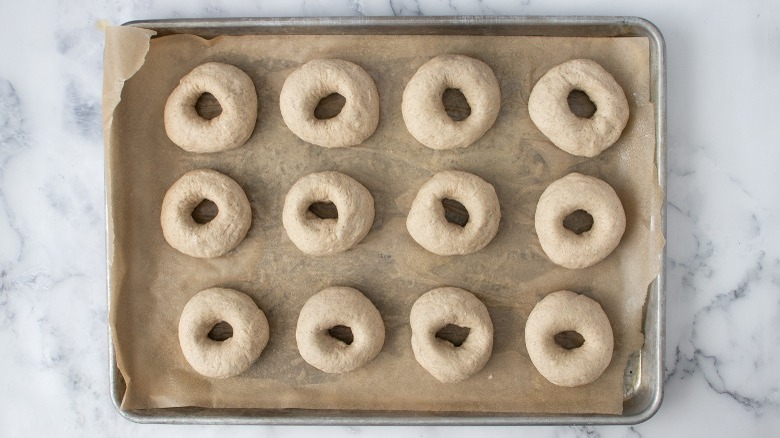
510, 275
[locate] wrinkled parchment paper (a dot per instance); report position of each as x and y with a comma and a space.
151, 282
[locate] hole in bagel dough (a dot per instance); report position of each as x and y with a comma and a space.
204, 212
221, 331
208, 106
455, 212
569, 340
342, 333
578, 221
455, 104
324, 210
453, 334
580, 104
329, 106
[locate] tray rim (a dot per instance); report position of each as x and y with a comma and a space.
612, 27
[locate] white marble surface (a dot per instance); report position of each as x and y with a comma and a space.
723, 324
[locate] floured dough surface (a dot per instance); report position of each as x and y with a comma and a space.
217, 236
570, 194
235, 92
318, 236
549, 108
339, 306
445, 361
232, 356
423, 110
429, 227
567, 311
316, 79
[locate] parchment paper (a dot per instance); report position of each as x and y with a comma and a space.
151, 281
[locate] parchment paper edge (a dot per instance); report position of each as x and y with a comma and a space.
124, 54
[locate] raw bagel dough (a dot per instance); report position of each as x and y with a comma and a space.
335, 306
428, 226
451, 305
231, 357
566, 311
307, 85
423, 110
579, 192
317, 236
217, 236
549, 107
235, 92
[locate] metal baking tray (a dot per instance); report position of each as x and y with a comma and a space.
643, 389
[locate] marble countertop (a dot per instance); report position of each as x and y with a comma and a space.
723, 299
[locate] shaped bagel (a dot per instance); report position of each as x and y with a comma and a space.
549, 108
423, 110
217, 236
429, 227
443, 360
318, 236
235, 92
567, 311
317, 79
332, 307
573, 193
232, 356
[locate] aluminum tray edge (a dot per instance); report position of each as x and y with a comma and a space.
609, 26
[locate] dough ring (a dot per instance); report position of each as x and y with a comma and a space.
566, 311
213, 238
428, 226
235, 92
316, 79
549, 107
567, 195
423, 110
339, 306
439, 308
317, 236
231, 357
